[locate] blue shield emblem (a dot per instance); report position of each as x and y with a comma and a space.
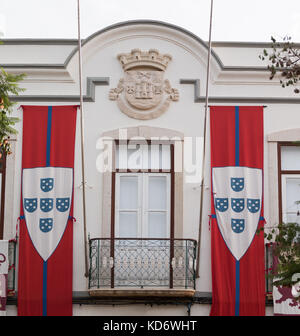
46, 224
237, 225
46, 204
237, 183
62, 204
253, 205
47, 184
46, 217
237, 204
222, 204
30, 204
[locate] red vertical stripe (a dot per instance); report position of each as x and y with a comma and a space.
251, 136
222, 134
34, 136
60, 274
62, 136
223, 275
252, 281
60, 264
30, 285
252, 278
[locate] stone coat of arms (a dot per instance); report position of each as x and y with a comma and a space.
143, 93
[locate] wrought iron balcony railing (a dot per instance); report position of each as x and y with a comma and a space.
164, 263
269, 267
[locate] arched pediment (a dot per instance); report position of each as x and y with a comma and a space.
145, 33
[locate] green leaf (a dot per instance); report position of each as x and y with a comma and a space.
9, 85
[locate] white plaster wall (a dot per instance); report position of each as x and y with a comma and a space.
137, 310
21, 53
240, 56
130, 310
147, 310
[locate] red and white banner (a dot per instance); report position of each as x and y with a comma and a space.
285, 299
237, 251
46, 220
4, 263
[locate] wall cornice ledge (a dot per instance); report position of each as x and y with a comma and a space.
231, 99
92, 82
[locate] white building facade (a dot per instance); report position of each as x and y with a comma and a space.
145, 81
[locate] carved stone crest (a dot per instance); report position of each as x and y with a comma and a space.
143, 93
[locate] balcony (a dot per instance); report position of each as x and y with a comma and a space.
142, 267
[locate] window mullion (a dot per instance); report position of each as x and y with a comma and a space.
145, 206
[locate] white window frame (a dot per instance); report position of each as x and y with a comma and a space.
143, 201
273, 208
284, 178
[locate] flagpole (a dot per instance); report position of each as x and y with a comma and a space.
204, 141
82, 142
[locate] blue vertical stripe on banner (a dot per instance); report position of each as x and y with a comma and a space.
45, 288
48, 147
49, 124
237, 136
237, 288
237, 163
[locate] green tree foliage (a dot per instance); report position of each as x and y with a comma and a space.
9, 85
284, 60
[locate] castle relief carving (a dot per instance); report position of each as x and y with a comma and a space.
143, 93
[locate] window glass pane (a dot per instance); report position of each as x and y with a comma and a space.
121, 156
129, 156
157, 193
145, 156
290, 208
290, 157
157, 226
128, 192
128, 225
135, 156
154, 154
165, 157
